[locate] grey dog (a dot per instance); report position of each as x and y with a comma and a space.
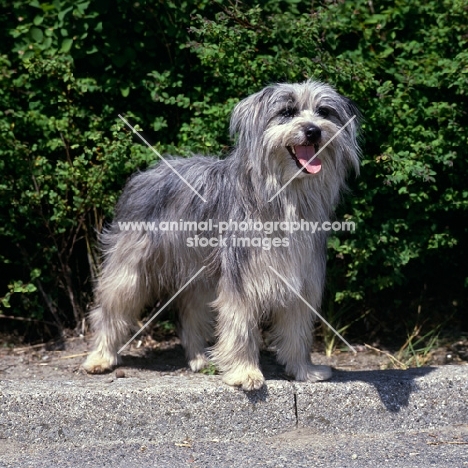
272, 174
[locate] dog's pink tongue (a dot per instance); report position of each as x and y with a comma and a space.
304, 154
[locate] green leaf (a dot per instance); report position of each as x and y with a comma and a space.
61, 14
66, 45
36, 34
38, 20
82, 6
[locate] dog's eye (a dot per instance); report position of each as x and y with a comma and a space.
288, 113
323, 112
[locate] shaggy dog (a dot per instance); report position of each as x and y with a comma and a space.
295, 144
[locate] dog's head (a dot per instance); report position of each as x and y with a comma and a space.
307, 128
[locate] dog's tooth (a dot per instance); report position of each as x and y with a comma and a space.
293, 150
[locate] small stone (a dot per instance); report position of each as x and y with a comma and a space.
354, 456
119, 374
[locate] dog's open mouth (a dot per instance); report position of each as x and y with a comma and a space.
305, 159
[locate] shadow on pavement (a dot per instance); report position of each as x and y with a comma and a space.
173, 359
393, 386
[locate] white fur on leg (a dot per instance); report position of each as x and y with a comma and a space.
312, 373
249, 378
237, 351
100, 361
196, 324
108, 335
122, 293
199, 362
292, 332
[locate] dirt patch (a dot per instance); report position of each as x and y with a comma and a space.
62, 360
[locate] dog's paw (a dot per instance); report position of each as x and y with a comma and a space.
311, 373
97, 363
198, 363
248, 379
318, 373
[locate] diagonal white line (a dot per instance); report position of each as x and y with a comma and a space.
160, 157
161, 309
311, 308
312, 158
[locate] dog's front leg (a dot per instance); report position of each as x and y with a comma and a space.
292, 333
236, 352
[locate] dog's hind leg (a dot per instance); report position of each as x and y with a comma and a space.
123, 291
292, 333
236, 352
196, 324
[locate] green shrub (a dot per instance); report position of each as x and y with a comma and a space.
177, 70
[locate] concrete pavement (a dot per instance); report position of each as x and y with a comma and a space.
174, 412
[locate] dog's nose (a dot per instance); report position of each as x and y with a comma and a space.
313, 133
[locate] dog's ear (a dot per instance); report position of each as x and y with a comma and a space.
250, 116
352, 109
353, 129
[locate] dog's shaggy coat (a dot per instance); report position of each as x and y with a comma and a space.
277, 131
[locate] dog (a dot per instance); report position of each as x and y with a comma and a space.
294, 147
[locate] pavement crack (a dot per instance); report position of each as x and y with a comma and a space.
295, 409
294, 392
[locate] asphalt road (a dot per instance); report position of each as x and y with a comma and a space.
442, 447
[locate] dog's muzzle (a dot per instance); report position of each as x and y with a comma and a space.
304, 155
